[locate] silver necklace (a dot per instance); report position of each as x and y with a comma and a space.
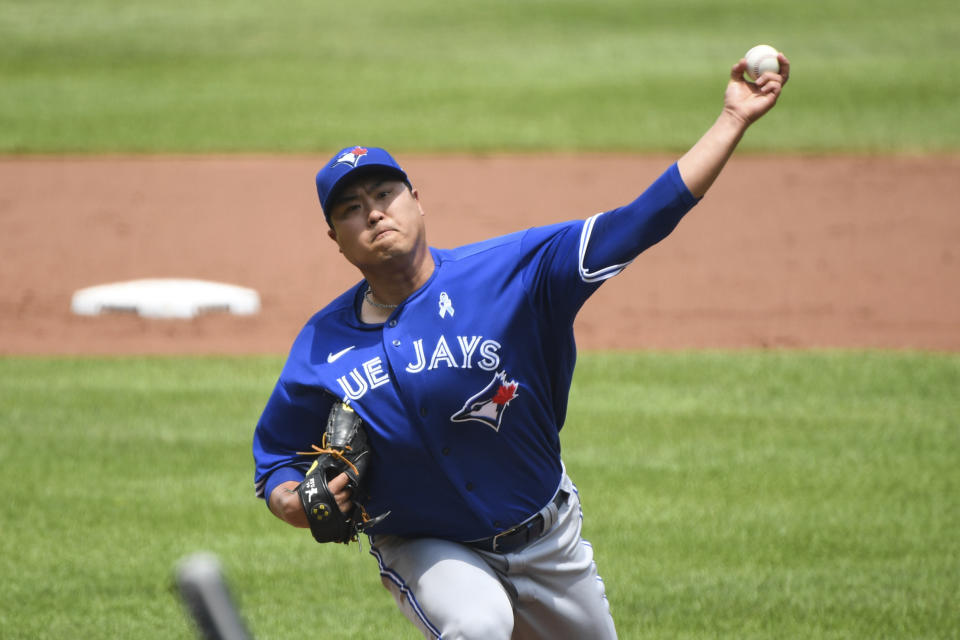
369, 296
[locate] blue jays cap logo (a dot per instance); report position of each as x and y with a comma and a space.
489, 405
351, 157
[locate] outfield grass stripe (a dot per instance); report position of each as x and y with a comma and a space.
489, 75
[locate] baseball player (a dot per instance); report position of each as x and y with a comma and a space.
458, 363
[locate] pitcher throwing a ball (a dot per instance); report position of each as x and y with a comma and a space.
455, 367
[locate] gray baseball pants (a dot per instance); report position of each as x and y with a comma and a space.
548, 589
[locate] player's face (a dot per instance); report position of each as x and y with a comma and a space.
377, 219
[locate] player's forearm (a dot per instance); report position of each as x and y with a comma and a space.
285, 504
700, 166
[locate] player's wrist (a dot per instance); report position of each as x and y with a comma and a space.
733, 121
285, 504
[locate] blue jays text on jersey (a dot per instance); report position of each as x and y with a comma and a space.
464, 388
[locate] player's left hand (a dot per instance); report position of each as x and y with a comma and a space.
748, 100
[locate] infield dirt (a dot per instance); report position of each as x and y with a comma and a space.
792, 252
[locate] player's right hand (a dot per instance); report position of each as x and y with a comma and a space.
343, 495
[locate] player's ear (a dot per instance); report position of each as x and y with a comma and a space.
332, 235
416, 196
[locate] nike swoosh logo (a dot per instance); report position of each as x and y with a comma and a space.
333, 357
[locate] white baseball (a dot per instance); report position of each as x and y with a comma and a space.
761, 58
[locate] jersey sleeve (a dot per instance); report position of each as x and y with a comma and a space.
293, 419
296, 412
574, 259
610, 241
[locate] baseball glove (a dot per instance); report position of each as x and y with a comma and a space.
344, 450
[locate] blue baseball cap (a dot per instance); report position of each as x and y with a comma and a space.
352, 162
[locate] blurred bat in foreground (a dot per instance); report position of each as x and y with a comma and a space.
204, 592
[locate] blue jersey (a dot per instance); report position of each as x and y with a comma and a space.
464, 388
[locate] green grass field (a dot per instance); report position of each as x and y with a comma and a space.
728, 494
304, 76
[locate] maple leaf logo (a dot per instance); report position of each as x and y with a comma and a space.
505, 393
